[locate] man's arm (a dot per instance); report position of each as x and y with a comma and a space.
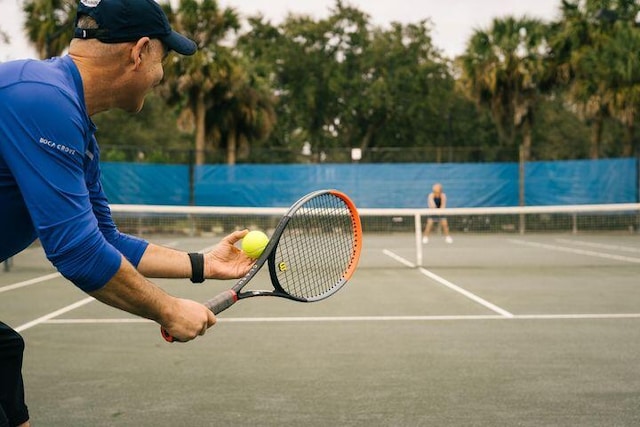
47, 159
224, 261
128, 290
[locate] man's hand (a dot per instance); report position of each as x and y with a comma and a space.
128, 290
225, 260
187, 320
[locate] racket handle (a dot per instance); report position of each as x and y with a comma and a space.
217, 304
222, 301
166, 335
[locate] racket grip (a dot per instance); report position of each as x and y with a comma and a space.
217, 304
166, 335
222, 301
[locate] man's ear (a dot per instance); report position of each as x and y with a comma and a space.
139, 51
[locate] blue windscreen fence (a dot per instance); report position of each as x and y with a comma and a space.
376, 185
146, 184
582, 182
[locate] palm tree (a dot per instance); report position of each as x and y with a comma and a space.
502, 70
623, 73
242, 111
595, 49
190, 81
574, 45
49, 25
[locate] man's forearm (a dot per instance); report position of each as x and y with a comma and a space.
224, 261
158, 261
128, 290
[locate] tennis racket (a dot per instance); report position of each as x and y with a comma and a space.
312, 253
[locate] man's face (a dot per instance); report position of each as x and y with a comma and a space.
149, 73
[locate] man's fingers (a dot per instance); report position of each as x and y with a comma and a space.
211, 319
236, 236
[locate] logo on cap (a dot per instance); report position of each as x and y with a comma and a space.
90, 3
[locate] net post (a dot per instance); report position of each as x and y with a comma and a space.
574, 221
418, 235
521, 186
191, 171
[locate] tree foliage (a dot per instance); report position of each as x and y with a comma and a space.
49, 25
311, 90
503, 71
595, 47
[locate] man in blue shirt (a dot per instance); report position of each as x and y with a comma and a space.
50, 177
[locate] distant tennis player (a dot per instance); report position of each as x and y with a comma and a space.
437, 200
50, 177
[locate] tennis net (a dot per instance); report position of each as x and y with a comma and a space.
406, 224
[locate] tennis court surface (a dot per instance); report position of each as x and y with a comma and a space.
537, 329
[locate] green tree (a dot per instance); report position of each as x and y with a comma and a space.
262, 46
307, 78
190, 81
594, 48
152, 135
503, 69
622, 77
49, 25
343, 83
242, 113
559, 133
408, 90
230, 105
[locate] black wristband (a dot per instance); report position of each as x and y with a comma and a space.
197, 267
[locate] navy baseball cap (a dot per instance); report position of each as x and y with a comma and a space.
129, 20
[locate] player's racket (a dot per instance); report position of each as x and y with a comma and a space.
312, 253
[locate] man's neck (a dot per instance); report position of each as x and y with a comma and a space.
101, 80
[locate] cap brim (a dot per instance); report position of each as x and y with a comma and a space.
179, 43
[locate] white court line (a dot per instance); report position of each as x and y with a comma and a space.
95, 321
577, 251
29, 282
398, 258
54, 314
578, 316
466, 293
450, 285
599, 245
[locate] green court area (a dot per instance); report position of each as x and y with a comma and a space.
492, 330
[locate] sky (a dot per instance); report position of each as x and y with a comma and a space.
453, 20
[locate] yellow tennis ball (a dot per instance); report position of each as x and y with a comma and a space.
254, 243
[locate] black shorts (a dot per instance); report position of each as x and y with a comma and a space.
13, 410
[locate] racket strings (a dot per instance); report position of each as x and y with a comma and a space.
317, 248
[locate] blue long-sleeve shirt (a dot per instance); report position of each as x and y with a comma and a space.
50, 175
